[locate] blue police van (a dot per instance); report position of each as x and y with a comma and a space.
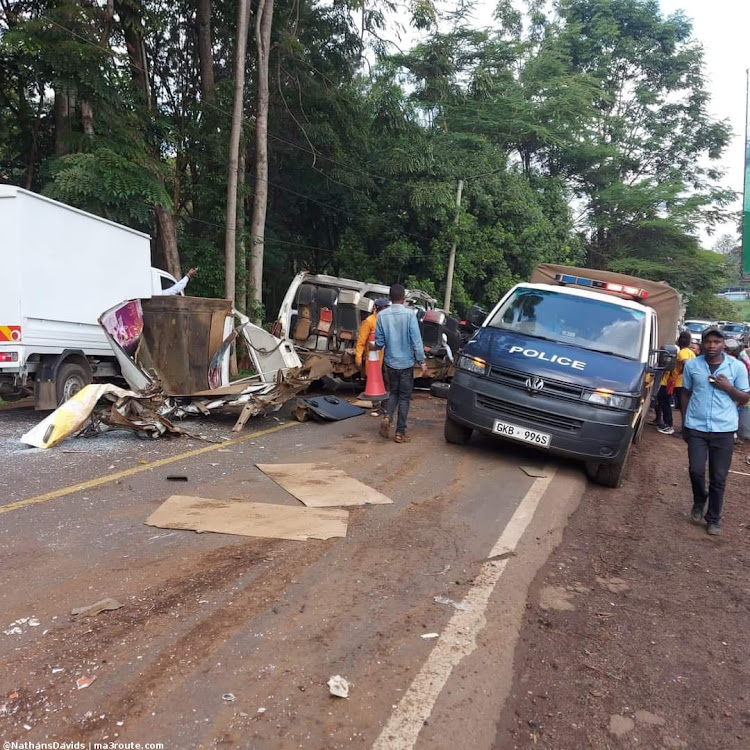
567, 363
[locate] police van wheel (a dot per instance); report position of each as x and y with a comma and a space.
440, 390
608, 475
456, 433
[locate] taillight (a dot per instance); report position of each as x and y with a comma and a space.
8, 356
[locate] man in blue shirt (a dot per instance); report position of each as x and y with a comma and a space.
714, 384
397, 331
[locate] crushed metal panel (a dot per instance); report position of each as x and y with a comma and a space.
322, 486
123, 326
268, 353
248, 519
179, 340
71, 416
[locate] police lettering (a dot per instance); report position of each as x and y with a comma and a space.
564, 361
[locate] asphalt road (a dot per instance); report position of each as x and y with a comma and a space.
268, 621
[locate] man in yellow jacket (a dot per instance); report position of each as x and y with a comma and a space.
367, 328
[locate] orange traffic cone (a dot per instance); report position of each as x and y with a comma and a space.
374, 387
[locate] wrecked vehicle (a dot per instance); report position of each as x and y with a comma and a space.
320, 315
174, 354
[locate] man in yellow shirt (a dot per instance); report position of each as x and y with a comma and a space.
685, 354
671, 384
367, 328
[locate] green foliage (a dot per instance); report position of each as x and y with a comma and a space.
600, 105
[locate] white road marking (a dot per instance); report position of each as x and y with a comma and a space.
459, 638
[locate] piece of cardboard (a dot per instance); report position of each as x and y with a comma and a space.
248, 519
322, 486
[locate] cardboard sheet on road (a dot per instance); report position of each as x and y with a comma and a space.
322, 486
248, 519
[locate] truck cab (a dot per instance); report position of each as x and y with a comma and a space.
567, 367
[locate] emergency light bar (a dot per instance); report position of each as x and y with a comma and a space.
607, 286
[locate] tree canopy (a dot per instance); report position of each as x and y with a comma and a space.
582, 135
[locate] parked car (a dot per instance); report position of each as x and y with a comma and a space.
321, 315
738, 331
696, 328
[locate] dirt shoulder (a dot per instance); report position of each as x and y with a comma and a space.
636, 632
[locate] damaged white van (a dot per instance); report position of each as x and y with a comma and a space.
321, 315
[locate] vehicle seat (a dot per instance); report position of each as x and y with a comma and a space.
307, 313
347, 315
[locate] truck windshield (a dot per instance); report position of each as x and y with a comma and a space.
579, 321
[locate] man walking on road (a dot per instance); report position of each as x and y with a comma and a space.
714, 384
397, 331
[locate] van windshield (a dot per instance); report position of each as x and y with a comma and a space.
579, 321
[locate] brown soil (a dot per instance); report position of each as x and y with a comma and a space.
636, 633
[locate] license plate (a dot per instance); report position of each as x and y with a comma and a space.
513, 431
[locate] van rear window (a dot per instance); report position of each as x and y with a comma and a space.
580, 321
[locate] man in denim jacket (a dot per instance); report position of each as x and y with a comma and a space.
397, 331
713, 386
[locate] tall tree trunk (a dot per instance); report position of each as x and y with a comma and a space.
205, 51
168, 238
241, 247
263, 20
234, 150
62, 122
87, 118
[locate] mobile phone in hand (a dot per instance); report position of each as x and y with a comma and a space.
711, 379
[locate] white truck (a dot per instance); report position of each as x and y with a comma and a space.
61, 269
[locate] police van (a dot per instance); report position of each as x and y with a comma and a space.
567, 363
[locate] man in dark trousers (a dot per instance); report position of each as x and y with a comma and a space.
397, 331
713, 386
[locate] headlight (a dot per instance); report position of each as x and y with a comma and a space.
605, 397
472, 364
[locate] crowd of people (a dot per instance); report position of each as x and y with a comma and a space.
710, 385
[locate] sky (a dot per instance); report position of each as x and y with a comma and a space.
723, 28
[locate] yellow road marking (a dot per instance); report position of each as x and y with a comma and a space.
137, 469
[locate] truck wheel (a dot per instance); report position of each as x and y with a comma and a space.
456, 433
608, 475
71, 378
440, 390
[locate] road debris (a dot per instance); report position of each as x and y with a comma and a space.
84, 682
249, 519
322, 486
532, 471
460, 606
91, 610
338, 686
176, 478
228, 697
428, 636
326, 408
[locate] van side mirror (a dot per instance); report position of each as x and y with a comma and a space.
666, 357
475, 317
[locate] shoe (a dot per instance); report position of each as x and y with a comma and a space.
402, 438
697, 513
665, 430
385, 428
655, 423
713, 529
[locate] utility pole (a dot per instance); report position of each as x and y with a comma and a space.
452, 256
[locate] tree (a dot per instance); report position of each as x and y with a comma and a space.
263, 21
230, 249
644, 156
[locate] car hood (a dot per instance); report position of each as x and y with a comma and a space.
555, 361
